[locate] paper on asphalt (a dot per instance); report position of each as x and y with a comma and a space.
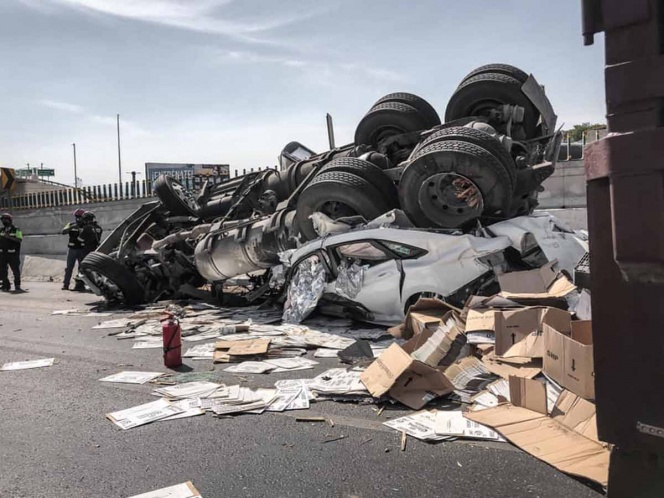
283, 400
25, 365
188, 390
453, 423
338, 381
326, 353
295, 385
252, 367
419, 425
184, 490
143, 414
288, 364
131, 377
200, 351
189, 408
118, 323
148, 344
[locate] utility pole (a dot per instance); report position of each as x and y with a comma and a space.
75, 174
119, 155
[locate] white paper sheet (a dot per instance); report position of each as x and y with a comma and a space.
184, 490
25, 365
143, 414
131, 377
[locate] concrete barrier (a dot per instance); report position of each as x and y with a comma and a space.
41, 227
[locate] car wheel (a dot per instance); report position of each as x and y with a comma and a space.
479, 95
473, 136
175, 197
338, 194
112, 278
386, 120
367, 171
452, 183
506, 69
425, 109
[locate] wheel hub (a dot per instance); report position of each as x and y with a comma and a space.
450, 200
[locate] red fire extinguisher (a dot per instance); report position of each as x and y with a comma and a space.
172, 342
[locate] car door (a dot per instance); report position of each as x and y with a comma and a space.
380, 291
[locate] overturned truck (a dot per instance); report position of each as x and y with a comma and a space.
484, 164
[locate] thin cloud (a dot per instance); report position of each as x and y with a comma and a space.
193, 15
127, 126
62, 106
320, 67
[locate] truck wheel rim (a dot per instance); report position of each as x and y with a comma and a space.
449, 199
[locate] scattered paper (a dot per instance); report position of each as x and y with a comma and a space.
129, 377
252, 367
326, 353
148, 344
143, 414
184, 490
24, 365
419, 425
453, 423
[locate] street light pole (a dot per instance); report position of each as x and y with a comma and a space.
75, 174
119, 156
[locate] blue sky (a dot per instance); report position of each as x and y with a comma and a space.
224, 81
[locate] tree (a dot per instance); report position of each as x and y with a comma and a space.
576, 133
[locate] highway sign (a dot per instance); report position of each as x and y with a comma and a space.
46, 172
7, 176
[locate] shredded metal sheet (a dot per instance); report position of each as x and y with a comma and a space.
305, 290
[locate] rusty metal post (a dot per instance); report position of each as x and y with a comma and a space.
625, 175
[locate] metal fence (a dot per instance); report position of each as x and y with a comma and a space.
86, 195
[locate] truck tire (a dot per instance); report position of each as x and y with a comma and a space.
453, 159
506, 69
367, 171
175, 197
338, 194
473, 136
388, 119
115, 281
478, 94
426, 109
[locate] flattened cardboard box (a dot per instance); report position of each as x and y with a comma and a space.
542, 286
405, 379
567, 440
426, 313
568, 356
518, 331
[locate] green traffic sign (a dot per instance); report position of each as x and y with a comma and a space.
45, 172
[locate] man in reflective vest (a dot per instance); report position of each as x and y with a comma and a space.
10, 252
90, 234
76, 251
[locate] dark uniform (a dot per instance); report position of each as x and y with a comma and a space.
90, 233
10, 252
90, 236
76, 251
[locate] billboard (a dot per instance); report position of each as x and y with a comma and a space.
198, 173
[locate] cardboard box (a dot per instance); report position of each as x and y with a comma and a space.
518, 331
405, 379
569, 356
542, 286
527, 370
567, 440
426, 313
528, 393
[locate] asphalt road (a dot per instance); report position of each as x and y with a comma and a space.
56, 442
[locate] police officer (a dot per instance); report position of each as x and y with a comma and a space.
91, 232
10, 252
76, 251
